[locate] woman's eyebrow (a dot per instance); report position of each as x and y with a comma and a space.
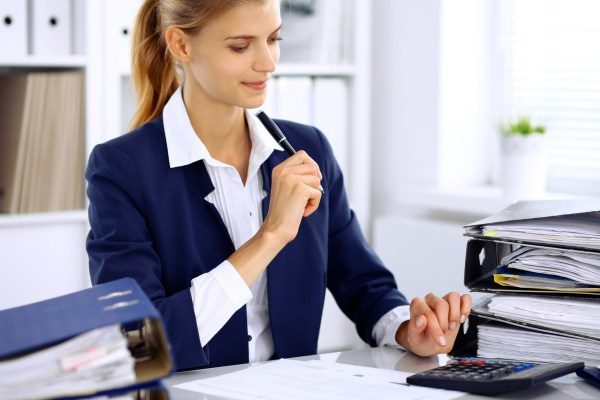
249, 36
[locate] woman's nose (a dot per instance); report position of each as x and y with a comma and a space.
265, 60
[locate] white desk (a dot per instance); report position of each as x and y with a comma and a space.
567, 387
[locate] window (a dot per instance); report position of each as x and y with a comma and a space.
549, 56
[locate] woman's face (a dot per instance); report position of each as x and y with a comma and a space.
234, 55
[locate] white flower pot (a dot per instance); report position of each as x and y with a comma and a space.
524, 164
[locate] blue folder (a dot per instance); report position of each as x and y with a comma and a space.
39, 325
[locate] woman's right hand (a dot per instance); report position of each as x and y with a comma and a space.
294, 194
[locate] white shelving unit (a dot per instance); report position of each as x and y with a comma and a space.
43, 254
72, 61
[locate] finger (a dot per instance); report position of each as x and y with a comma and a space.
433, 327
453, 300
417, 319
440, 308
465, 307
299, 158
302, 169
313, 202
310, 180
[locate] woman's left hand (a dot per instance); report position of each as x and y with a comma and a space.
434, 323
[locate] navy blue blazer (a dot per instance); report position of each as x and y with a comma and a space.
151, 222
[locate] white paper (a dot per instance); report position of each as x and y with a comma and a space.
572, 315
582, 268
93, 361
525, 345
304, 380
571, 230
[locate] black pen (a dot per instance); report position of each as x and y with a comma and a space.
278, 136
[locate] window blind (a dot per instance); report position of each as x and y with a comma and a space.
550, 56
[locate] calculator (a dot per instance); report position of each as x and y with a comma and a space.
490, 376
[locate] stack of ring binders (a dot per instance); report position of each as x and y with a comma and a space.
113, 327
540, 261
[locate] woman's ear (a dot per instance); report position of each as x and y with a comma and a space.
179, 44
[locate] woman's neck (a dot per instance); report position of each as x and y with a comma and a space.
222, 129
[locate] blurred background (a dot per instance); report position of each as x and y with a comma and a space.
440, 112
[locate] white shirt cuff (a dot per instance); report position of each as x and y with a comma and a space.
216, 296
384, 331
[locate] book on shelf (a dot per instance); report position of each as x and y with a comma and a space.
41, 142
540, 262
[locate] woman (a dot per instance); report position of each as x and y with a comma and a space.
231, 239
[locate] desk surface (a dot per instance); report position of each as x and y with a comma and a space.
566, 387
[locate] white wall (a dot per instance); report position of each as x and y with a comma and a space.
405, 96
430, 96
465, 126
430, 121
424, 254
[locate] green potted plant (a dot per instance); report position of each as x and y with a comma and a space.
524, 158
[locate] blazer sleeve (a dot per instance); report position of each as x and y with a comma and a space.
362, 286
119, 244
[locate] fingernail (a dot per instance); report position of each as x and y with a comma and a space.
442, 341
452, 325
419, 322
463, 318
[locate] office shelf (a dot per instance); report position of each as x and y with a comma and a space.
315, 70
479, 200
72, 61
45, 218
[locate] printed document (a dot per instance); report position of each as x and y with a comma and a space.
304, 380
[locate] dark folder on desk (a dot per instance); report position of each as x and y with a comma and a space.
482, 261
27, 329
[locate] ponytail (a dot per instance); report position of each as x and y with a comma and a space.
153, 73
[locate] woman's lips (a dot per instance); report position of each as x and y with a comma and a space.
260, 85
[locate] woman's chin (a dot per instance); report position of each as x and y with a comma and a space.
253, 102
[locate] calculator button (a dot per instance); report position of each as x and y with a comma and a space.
472, 362
522, 367
498, 373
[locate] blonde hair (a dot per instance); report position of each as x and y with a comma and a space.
154, 73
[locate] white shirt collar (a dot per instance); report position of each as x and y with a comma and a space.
185, 147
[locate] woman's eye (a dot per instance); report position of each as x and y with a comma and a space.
275, 39
238, 49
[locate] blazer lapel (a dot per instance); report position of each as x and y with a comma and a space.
205, 187
275, 271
